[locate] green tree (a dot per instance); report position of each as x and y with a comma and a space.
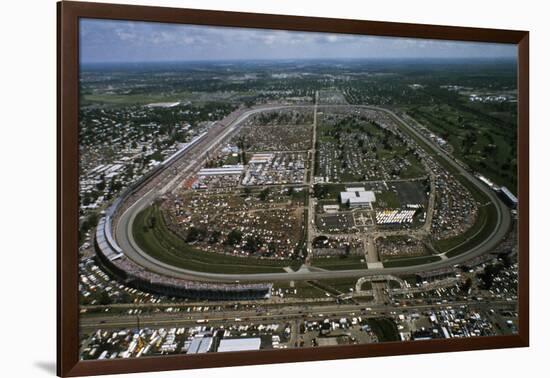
192, 235
214, 237
264, 194
252, 244
467, 285
101, 184
320, 191
234, 237
105, 299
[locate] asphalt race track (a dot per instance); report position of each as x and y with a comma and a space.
125, 239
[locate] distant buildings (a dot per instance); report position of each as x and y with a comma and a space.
357, 197
163, 104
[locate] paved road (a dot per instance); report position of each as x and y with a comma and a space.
314, 312
126, 240
310, 219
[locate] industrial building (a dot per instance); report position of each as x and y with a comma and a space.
357, 197
237, 345
260, 159
200, 345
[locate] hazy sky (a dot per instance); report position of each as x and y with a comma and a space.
130, 41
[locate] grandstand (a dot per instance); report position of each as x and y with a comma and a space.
138, 277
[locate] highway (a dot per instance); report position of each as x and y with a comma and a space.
125, 239
310, 312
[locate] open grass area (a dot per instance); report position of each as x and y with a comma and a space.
394, 263
132, 99
340, 263
316, 289
387, 199
414, 170
124, 99
367, 285
342, 285
484, 142
394, 284
162, 244
303, 290
329, 191
384, 328
478, 195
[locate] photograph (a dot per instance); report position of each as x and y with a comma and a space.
247, 189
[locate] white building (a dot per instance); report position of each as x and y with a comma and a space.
163, 104
261, 159
331, 209
200, 345
236, 345
226, 170
357, 197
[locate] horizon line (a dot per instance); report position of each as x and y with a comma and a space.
229, 60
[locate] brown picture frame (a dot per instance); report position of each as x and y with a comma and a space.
68, 363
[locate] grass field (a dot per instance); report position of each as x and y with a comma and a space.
164, 245
132, 99
318, 288
340, 263
387, 199
342, 285
124, 99
394, 284
394, 263
485, 143
303, 289
367, 285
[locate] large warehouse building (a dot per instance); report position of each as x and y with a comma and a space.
357, 197
237, 345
